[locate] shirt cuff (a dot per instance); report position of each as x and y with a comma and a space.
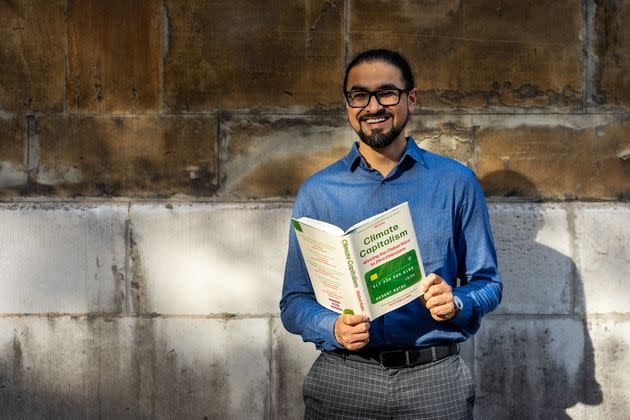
463, 318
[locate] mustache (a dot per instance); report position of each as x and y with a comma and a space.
381, 113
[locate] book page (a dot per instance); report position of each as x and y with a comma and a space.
327, 268
323, 226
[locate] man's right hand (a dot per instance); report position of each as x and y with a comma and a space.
351, 331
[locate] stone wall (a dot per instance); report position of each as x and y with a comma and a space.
150, 151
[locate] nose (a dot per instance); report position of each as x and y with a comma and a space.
373, 104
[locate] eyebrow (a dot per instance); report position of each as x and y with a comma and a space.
385, 86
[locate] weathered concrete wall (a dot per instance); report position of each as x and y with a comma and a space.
150, 152
169, 310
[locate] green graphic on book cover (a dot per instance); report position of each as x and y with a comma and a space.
393, 276
297, 226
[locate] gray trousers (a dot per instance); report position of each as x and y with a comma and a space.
338, 388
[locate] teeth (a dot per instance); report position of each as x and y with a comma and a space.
375, 120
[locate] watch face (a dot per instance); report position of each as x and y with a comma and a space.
458, 303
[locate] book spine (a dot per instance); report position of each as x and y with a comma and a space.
358, 292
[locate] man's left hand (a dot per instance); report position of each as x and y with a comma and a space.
438, 297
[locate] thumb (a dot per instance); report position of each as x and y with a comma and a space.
354, 319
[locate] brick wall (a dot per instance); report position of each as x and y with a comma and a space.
150, 151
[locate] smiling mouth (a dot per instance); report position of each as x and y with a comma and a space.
375, 119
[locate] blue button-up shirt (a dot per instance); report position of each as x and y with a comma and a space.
451, 220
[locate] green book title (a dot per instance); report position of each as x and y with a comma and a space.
381, 239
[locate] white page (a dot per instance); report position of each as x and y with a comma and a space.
323, 226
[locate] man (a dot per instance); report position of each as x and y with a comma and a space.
405, 364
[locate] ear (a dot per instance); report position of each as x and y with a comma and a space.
412, 100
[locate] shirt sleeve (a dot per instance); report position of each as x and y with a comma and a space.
481, 286
299, 311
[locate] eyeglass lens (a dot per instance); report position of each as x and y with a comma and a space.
385, 97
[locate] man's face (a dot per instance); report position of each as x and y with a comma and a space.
378, 126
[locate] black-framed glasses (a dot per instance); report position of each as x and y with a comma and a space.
385, 97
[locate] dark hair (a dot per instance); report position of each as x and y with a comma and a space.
386, 56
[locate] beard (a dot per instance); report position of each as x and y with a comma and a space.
380, 139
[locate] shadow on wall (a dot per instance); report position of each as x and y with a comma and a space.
509, 184
535, 359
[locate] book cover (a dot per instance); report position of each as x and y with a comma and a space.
371, 268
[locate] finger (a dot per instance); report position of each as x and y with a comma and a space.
359, 328
354, 341
354, 319
441, 307
428, 281
356, 346
431, 292
358, 338
443, 312
438, 289
439, 300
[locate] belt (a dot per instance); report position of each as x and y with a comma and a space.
398, 358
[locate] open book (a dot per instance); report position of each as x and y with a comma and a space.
372, 268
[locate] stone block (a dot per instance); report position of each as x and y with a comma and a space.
271, 156
131, 368
423, 17
44, 369
13, 154
167, 368
114, 56
555, 161
254, 54
212, 368
62, 258
291, 360
603, 243
456, 69
533, 367
534, 248
534, 22
208, 259
611, 342
449, 136
32, 56
143, 156
612, 47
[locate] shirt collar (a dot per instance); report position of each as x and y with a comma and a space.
353, 158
